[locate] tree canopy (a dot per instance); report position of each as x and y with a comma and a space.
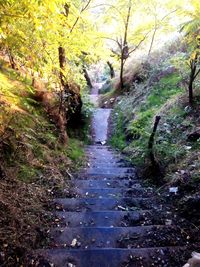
91, 30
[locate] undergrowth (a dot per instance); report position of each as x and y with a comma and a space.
34, 166
133, 123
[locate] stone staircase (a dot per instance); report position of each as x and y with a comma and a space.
113, 220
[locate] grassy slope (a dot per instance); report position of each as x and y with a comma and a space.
133, 123
34, 166
179, 156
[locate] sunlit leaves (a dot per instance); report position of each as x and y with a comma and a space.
33, 30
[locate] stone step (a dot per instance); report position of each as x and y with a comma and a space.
146, 257
99, 148
106, 183
105, 164
102, 154
101, 176
118, 237
107, 218
113, 192
100, 124
103, 157
96, 204
108, 170
93, 164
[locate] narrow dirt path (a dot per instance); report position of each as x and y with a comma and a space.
112, 219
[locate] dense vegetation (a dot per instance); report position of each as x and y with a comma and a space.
48, 53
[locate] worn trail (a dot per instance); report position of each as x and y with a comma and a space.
112, 219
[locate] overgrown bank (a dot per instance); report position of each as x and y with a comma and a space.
161, 93
35, 165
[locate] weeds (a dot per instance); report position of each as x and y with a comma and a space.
36, 166
174, 126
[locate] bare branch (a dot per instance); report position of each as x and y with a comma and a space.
168, 14
127, 24
115, 52
81, 11
138, 45
197, 73
109, 5
114, 40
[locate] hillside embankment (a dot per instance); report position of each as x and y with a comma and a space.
157, 86
37, 156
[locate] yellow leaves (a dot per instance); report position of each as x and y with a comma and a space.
193, 55
35, 30
51, 6
196, 4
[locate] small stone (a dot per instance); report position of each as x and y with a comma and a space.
74, 242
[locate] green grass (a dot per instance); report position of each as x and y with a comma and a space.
162, 92
28, 173
32, 141
118, 139
140, 127
75, 150
165, 89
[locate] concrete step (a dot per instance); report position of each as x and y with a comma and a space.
99, 148
103, 158
118, 237
105, 164
103, 152
108, 170
106, 183
113, 192
101, 176
100, 124
97, 204
146, 257
107, 218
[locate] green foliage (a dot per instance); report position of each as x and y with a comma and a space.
75, 151
118, 138
32, 31
82, 130
27, 173
166, 88
29, 141
137, 126
140, 121
107, 87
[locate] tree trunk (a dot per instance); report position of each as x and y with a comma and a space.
151, 143
124, 46
64, 87
61, 100
112, 72
62, 62
194, 72
190, 90
11, 59
87, 77
121, 85
152, 41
